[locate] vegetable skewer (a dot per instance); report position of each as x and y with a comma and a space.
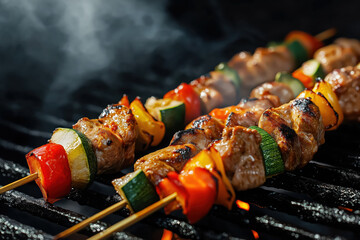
106, 128
275, 170
124, 223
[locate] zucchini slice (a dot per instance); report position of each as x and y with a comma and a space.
298, 51
231, 74
296, 86
81, 157
170, 112
272, 157
313, 69
136, 189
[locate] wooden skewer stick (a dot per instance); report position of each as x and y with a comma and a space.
19, 182
326, 34
91, 219
134, 218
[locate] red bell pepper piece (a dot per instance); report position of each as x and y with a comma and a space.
54, 177
186, 94
196, 192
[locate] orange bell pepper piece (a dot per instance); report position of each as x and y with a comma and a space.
223, 113
54, 176
326, 90
305, 79
124, 101
186, 94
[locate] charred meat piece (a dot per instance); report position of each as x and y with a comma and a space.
109, 147
281, 90
262, 66
297, 128
120, 120
195, 136
212, 127
218, 82
240, 151
335, 56
253, 109
345, 83
158, 164
354, 44
209, 96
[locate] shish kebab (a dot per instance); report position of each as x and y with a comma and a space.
108, 144
286, 138
208, 128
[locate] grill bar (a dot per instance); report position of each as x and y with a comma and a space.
325, 193
305, 210
11, 229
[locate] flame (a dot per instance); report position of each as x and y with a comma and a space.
256, 235
345, 208
243, 205
167, 235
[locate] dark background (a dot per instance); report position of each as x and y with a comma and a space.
72, 58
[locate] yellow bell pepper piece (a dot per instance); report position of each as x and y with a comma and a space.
325, 89
329, 115
151, 131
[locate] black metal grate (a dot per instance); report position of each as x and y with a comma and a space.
320, 201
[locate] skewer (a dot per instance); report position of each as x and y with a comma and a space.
91, 219
326, 34
19, 182
134, 218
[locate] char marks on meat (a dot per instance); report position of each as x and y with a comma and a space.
240, 151
195, 136
112, 136
297, 128
345, 82
212, 126
158, 164
281, 90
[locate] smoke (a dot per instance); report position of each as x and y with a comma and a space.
54, 49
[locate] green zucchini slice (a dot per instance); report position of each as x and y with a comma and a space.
136, 189
296, 86
231, 74
298, 51
170, 112
313, 69
271, 154
81, 157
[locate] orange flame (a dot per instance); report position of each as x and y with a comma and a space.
243, 205
256, 235
345, 208
167, 235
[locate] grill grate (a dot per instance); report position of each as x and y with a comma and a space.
301, 204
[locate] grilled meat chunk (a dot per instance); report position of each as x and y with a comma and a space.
240, 151
297, 128
253, 109
108, 146
281, 90
195, 136
112, 136
345, 83
158, 164
354, 44
262, 66
218, 82
212, 127
209, 96
335, 56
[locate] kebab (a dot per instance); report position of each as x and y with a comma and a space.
297, 128
204, 130
108, 144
